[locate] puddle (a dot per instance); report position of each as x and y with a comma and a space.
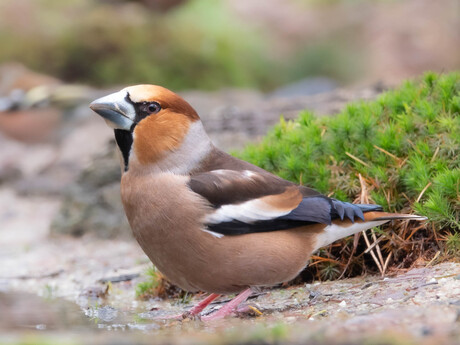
22, 311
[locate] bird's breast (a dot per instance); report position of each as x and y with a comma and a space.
166, 219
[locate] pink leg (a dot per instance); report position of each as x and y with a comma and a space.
229, 307
196, 310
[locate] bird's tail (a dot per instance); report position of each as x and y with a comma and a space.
342, 228
379, 216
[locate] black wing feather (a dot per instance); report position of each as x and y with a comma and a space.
311, 210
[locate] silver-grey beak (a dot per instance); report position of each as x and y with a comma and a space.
116, 110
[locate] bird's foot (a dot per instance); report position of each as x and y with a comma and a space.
195, 312
228, 308
234, 306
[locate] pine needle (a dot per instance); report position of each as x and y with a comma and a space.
434, 258
387, 153
321, 259
423, 192
435, 154
357, 159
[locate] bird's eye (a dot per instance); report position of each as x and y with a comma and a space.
153, 107
145, 109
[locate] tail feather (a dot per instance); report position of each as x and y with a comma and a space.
377, 216
342, 228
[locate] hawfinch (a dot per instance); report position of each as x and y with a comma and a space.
207, 220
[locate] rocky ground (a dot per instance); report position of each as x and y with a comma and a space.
75, 283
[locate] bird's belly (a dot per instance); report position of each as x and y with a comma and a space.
233, 263
166, 219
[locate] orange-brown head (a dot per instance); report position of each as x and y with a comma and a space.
150, 122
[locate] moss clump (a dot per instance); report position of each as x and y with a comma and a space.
405, 145
148, 287
157, 286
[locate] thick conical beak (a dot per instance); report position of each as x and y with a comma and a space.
116, 110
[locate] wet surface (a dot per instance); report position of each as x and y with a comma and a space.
422, 305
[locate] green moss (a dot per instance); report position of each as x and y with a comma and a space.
155, 285
453, 244
406, 145
150, 285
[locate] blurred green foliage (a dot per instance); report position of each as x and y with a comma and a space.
406, 145
201, 44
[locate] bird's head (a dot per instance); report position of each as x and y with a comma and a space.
153, 127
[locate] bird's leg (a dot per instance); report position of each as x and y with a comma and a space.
194, 312
197, 309
229, 307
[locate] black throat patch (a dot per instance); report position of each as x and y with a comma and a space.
123, 137
124, 141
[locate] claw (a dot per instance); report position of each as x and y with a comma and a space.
255, 310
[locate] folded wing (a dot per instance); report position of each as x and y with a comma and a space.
246, 202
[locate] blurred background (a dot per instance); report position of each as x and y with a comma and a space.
240, 63
205, 44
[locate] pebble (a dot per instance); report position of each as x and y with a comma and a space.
343, 304
106, 313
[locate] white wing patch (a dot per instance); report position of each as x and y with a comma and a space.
247, 212
215, 234
246, 174
249, 173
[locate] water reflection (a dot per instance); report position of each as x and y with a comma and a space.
20, 311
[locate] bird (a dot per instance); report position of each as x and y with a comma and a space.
207, 220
